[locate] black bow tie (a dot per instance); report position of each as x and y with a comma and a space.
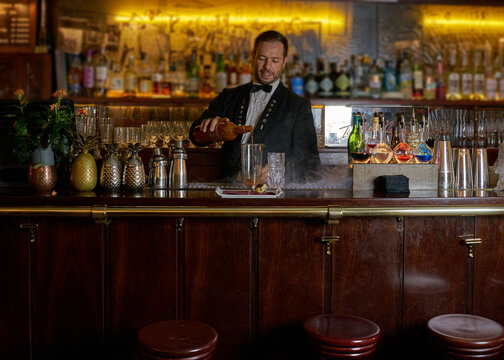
257, 87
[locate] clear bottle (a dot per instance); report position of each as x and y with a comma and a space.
232, 71
466, 76
478, 92
381, 153
422, 153
144, 77
161, 84
130, 77
402, 151
390, 81
375, 137
74, 77
491, 76
207, 88
311, 86
244, 70
88, 74
454, 91
418, 80
296, 78
220, 74
414, 135
406, 77
375, 83
178, 78
115, 81
430, 84
427, 131
101, 65
193, 77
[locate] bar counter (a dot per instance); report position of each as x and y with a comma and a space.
85, 271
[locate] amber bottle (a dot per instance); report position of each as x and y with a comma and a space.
224, 131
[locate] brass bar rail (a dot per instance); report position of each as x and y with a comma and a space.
329, 213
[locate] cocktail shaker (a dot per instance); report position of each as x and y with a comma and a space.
178, 169
481, 176
443, 157
464, 177
158, 174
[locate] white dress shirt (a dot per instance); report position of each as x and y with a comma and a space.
257, 104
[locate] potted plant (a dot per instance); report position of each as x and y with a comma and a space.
43, 136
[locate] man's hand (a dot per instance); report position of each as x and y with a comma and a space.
210, 124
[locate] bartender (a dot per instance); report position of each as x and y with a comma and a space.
282, 120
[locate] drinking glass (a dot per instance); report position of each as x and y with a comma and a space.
251, 164
276, 170
132, 135
166, 132
178, 130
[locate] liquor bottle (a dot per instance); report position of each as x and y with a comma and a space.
406, 77
144, 77
418, 80
395, 136
220, 74
244, 70
390, 79
414, 135
375, 83
232, 71
342, 82
74, 76
101, 65
375, 137
161, 80
466, 76
491, 77
325, 85
130, 77
429, 92
426, 128
478, 92
499, 65
296, 79
178, 78
454, 91
422, 153
88, 74
381, 153
207, 88
224, 131
311, 84
352, 138
115, 81
193, 77
402, 151
440, 79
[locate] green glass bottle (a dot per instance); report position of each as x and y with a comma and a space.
356, 147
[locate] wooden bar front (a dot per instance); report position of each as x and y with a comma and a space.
80, 275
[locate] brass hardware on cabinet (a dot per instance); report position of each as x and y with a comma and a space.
99, 214
470, 242
32, 229
254, 223
180, 224
329, 240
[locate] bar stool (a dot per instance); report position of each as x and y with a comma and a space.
177, 339
463, 336
342, 336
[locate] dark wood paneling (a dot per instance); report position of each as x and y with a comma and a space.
30, 72
437, 273
366, 272
292, 264
489, 268
14, 293
69, 297
218, 267
143, 265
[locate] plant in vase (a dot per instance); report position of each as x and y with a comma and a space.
43, 133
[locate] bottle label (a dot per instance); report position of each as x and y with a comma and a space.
130, 83
454, 83
88, 77
233, 79
220, 81
116, 83
311, 87
343, 82
491, 89
145, 86
466, 84
100, 76
326, 86
192, 84
374, 82
479, 83
245, 78
297, 85
418, 80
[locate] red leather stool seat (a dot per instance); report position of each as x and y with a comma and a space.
177, 339
463, 336
342, 336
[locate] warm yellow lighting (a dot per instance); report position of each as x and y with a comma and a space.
463, 23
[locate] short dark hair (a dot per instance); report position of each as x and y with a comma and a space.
272, 35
